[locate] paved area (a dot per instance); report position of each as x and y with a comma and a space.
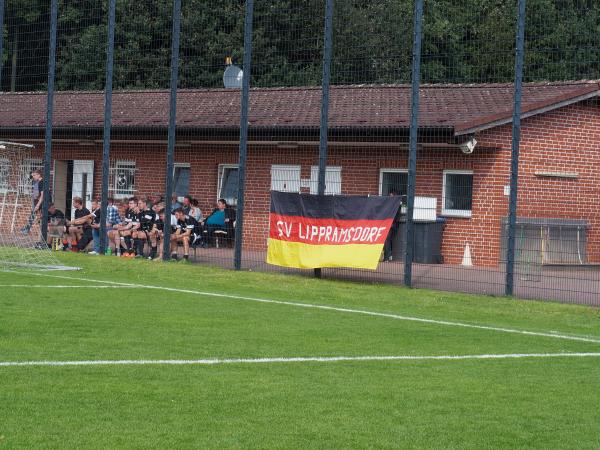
571, 284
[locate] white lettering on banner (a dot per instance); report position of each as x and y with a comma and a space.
300, 236
284, 228
323, 234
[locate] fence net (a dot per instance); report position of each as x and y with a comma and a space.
22, 246
464, 136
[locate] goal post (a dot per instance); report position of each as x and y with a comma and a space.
21, 243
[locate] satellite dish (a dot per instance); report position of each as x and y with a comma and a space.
232, 77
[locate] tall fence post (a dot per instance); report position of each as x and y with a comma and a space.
108, 90
324, 125
239, 226
514, 161
414, 134
1, 40
172, 127
49, 116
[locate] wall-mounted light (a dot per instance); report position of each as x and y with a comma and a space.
468, 146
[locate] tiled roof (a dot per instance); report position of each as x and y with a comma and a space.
457, 107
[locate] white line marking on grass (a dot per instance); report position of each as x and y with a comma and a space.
50, 286
300, 359
552, 335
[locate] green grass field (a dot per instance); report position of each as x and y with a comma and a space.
170, 312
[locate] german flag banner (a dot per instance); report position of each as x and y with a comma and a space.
311, 231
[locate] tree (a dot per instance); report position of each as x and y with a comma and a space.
26, 49
463, 42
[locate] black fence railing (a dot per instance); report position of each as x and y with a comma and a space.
483, 118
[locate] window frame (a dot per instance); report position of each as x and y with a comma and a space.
180, 165
296, 168
112, 188
314, 179
464, 213
388, 170
5, 188
220, 178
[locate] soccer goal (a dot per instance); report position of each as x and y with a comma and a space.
21, 243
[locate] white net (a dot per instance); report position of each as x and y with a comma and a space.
21, 243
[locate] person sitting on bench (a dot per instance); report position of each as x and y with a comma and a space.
56, 223
122, 232
221, 218
96, 217
186, 232
143, 234
80, 231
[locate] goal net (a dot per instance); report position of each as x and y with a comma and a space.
21, 243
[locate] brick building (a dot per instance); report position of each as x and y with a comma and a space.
560, 153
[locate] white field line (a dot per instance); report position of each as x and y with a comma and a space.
64, 286
301, 359
548, 334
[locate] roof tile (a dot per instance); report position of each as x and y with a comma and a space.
459, 107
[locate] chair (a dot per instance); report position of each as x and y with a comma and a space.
219, 234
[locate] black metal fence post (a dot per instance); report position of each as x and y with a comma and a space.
172, 127
514, 162
110, 48
1, 40
49, 116
327, 50
239, 227
414, 133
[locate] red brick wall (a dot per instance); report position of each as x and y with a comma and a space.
565, 140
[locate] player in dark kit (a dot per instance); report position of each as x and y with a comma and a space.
146, 218
157, 234
123, 231
80, 230
187, 231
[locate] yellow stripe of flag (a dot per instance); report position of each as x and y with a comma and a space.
306, 256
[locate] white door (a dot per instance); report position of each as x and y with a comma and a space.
83, 182
285, 178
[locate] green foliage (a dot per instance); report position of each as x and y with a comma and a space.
463, 42
207, 39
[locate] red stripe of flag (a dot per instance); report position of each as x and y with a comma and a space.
328, 231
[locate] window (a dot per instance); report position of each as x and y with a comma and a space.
333, 180
181, 179
285, 178
228, 183
393, 180
4, 173
457, 193
28, 166
122, 179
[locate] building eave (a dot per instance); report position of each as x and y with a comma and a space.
497, 120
